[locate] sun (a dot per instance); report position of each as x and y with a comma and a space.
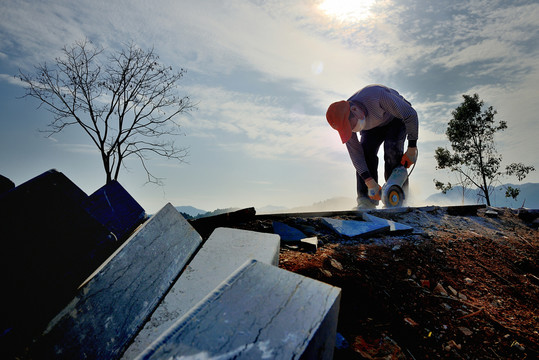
348, 11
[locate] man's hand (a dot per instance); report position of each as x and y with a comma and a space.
375, 190
409, 157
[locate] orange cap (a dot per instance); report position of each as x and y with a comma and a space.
337, 116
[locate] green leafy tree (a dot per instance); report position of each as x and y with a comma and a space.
126, 102
474, 157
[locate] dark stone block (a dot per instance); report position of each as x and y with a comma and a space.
115, 208
464, 210
528, 215
205, 226
51, 244
5, 184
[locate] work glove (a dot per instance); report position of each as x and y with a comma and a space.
375, 190
409, 157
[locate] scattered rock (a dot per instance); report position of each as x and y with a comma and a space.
410, 322
465, 331
337, 265
453, 291
439, 289
326, 273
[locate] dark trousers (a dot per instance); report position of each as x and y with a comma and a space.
393, 136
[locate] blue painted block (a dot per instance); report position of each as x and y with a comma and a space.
286, 232
115, 208
354, 228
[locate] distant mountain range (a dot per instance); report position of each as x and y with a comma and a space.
528, 197
190, 210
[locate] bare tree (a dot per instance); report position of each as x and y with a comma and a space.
126, 104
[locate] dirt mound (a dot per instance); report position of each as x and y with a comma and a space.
458, 286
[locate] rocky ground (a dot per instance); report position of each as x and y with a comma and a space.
458, 287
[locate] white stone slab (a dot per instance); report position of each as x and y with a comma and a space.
354, 228
259, 312
394, 227
112, 307
224, 251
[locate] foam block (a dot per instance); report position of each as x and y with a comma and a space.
259, 312
225, 250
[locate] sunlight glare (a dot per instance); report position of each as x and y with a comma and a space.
347, 10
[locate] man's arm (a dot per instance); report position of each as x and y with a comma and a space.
358, 157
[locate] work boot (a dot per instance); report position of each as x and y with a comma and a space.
366, 203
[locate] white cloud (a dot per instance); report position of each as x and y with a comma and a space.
11, 79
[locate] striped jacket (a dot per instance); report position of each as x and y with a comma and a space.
381, 105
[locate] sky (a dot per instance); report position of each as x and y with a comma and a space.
263, 74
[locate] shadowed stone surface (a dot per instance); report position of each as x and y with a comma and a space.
260, 311
394, 227
113, 305
354, 228
224, 251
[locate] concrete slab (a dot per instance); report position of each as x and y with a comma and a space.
354, 228
287, 232
111, 308
224, 251
394, 227
259, 312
